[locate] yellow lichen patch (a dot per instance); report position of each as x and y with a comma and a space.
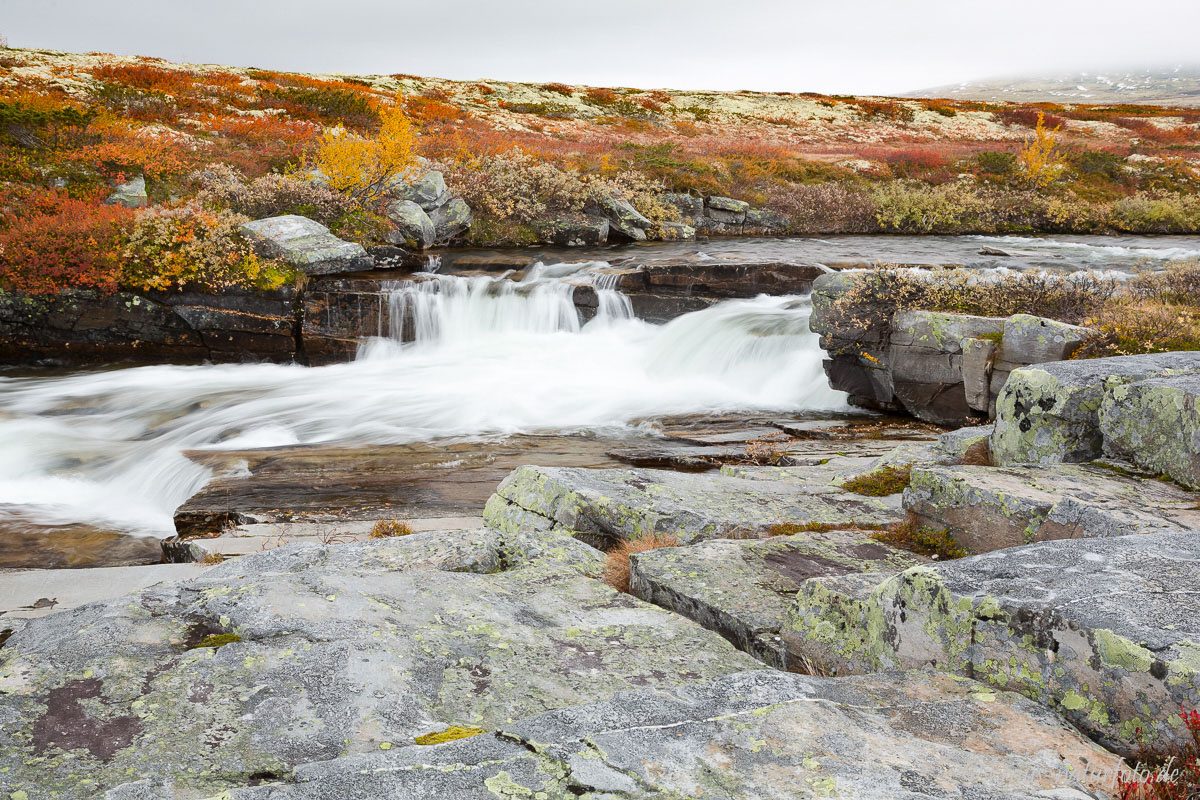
448, 735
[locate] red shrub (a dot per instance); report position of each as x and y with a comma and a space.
71, 243
1176, 777
146, 77
1027, 117
601, 97
430, 110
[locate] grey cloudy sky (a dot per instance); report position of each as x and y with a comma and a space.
865, 46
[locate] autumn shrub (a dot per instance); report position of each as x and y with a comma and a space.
1130, 326
270, 195
349, 108
1027, 117
616, 564
389, 529
557, 88
517, 186
912, 207
43, 121
432, 111
1157, 213
146, 77
1176, 283
128, 149
192, 247
996, 163
885, 109
1040, 159
825, 208
362, 166
67, 243
600, 96
1173, 776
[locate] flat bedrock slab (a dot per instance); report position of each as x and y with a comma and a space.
988, 508
335, 651
745, 589
1156, 425
756, 734
1049, 413
1106, 631
605, 506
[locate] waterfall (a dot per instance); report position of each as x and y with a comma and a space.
487, 355
454, 308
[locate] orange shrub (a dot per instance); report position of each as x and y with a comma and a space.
146, 77
65, 243
129, 149
430, 110
558, 88
601, 97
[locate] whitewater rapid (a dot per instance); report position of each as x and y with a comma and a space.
493, 356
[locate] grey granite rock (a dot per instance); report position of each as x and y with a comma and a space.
325, 652
988, 508
1106, 631
131, 194
624, 218
452, 219
1048, 413
744, 589
605, 506
413, 225
1156, 425
306, 245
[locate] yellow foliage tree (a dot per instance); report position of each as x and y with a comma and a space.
362, 167
1040, 158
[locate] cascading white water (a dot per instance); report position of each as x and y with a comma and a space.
491, 356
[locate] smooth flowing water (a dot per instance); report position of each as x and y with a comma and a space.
491, 356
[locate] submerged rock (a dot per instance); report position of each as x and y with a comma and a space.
1106, 631
306, 245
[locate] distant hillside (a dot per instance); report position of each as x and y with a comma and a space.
1168, 86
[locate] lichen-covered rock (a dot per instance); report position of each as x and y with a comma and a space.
988, 508
743, 590
689, 205
605, 506
624, 218
413, 225
305, 244
131, 194
758, 734
308, 653
968, 444
591, 230
978, 355
1047, 414
452, 219
925, 359
1156, 425
726, 210
674, 231
428, 190
1034, 340
1106, 631
765, 218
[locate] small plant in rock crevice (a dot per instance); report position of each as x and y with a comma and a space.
616, 565
886, 480
917, 538
390, 528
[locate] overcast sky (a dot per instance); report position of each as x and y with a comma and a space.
864, 46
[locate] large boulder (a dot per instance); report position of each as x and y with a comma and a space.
1106, 631
306, 245
427, 190
308, 653
691, 206
590, 230
606, 506
413, 225
987, 508
451, 220
624, 218
1033, 340
764, 218
131, 194
1156, 425
757, 734
1048, 413
926, 362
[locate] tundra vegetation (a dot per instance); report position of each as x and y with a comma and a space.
214, 144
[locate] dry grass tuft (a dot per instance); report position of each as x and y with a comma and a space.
911, 535
881, 482
388, 528
616, 568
